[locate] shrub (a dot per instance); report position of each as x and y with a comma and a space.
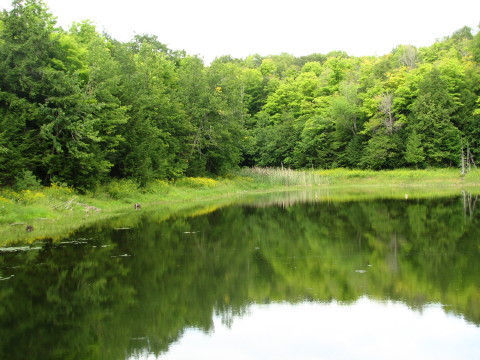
4, 200
59, 191
26, 180
197, 183
122, 189
158, 187
29, 196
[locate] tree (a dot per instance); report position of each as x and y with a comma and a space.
214, 101
386, 108
407, 55
157, 133
28, 49
475, 46
431, 117
378, 152
26, 46
275, 142
414, 153
22, 147
226, 86
80, 107
344, 108
40, 77
315, 147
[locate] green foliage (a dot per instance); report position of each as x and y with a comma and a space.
315, 148
59, 191
378, 152
414, 151
81, 108
432, 118
122, 190
158, 187
26, 180
197, 183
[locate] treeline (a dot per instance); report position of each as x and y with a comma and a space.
79, 107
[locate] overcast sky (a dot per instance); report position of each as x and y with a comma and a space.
213, 28
366, 329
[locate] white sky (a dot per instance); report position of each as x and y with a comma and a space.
213, 28
366, 329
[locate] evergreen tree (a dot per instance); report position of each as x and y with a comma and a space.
431, 117
414, 154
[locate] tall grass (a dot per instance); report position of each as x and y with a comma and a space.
395, 177
341, 176
283, 177
473, 176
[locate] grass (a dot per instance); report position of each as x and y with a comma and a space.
283, 177
58, 210
393, 177
347, 177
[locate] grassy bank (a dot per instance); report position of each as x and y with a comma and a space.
362, 178
57, 210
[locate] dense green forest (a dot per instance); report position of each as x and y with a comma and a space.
79, 107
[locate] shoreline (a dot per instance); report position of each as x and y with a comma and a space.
57, 211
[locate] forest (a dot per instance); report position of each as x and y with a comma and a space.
81, 108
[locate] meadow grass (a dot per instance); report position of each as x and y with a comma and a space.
56, 210
400, 177
283, 177
360, 178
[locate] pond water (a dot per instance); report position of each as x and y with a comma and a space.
286, 276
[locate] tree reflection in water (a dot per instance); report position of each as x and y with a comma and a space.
110, 293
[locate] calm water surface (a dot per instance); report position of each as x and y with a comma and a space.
282, 277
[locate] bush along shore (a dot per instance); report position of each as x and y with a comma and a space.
29, 211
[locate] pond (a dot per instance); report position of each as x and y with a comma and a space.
284, 276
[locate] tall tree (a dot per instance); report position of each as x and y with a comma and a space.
155, 136
431, 117
414, 154
39, 75
26, 50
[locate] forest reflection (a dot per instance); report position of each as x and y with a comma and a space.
112, 291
